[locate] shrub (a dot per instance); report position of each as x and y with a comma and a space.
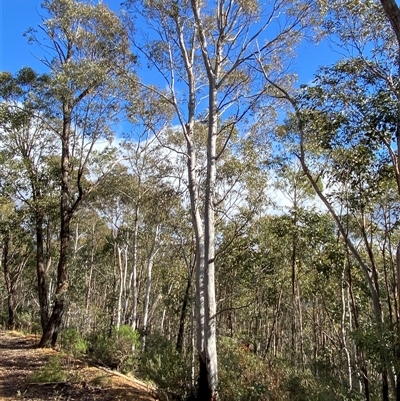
72, 343
306, 386
163, 365
51, 372
118, 350
102, 381
3, 319
242, 375
28, 322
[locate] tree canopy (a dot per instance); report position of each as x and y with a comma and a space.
177, 203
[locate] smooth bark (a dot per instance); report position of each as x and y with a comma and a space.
150, 262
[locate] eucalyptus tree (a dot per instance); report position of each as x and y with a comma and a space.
344, 146
148, 168
203, 54
256, 296
392, 12
339, 147
90, 278
371, 31
294, 186
138, 202
84, 43
15, 253
29, 153
154, 202
356, 127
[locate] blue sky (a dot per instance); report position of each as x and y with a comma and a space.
16, 16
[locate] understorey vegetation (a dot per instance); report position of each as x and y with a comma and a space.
177, 205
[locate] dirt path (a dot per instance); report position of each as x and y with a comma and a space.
19, 359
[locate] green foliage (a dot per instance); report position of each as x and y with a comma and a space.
246, 376
279, 280
3, 318
304, 386
163, 365
243, 376
51, 372
27, 321
102, 381
73, 343
300, 386
117, 350
380, 343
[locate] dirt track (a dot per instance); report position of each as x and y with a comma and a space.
19, 359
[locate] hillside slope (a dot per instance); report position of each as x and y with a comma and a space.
20, 361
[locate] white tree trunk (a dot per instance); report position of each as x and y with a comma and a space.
162, 321
133, 277
150, 262
121, 287
125, 289
193, 186
209, 242
343, 327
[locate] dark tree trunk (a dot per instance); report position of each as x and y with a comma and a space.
365, 382
9, 284
360, 354
203, 391
385, 386
181, 331
51, 332
41, 273
392, 11
11, 314
52, 328
11, 307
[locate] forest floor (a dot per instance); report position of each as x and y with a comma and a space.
20, 360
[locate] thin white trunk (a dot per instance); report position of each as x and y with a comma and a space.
89, 281
200, 301
125, 290
303, 356
150, 262
154, 307
121, 287
50, 291
165, 309
188, 58
209, 240
213, 75
133, 277
343, 328
163, 320
193, 354
199, 236
196, 218
76, 242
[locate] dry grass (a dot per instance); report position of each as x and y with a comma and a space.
20, 360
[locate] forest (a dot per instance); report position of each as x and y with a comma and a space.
176, 203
